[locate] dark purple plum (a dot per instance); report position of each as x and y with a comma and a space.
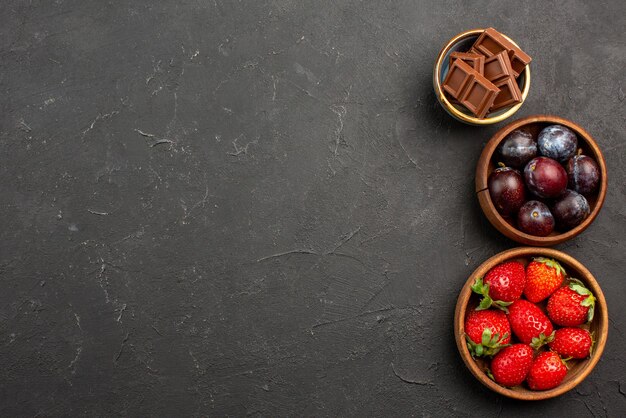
517, 149
545, 177
583, 174
507, 191
557, 142
570, 210
535, 218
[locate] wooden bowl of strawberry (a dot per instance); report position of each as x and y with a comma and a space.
531, 323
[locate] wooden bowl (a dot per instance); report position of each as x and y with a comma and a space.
487, 163
462, 43
579, 369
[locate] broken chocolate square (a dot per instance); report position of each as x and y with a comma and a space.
479, 95
509, 94
458, 75
498, 67
491, 42
476, 61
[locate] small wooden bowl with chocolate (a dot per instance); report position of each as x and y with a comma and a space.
481, 77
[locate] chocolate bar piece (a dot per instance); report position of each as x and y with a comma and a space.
470, 88
479, 95
491, 42
498, 67
476, 61
457, 78
510, 94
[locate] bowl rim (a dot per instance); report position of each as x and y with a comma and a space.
482, 175
587, 278
453, 110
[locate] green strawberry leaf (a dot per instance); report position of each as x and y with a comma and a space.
478, 286
502, 305
482, 289
551, 263
590, 301
579, 288
486, 336
590, 313
485, 303
535, 343
538, 342
489, 346
471, 346
476, 350
490, 375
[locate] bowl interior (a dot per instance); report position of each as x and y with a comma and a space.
575, 366
463, 45
578, 369
588, 147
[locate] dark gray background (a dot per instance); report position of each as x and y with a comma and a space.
258, 208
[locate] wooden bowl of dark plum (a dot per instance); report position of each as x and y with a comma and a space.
541, 180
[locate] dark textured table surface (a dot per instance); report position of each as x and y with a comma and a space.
258, 208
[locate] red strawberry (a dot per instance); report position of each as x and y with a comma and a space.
502, 285
572, 342
543, 277
571, 305
486, 332
529, 323
511, 365
547, 371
